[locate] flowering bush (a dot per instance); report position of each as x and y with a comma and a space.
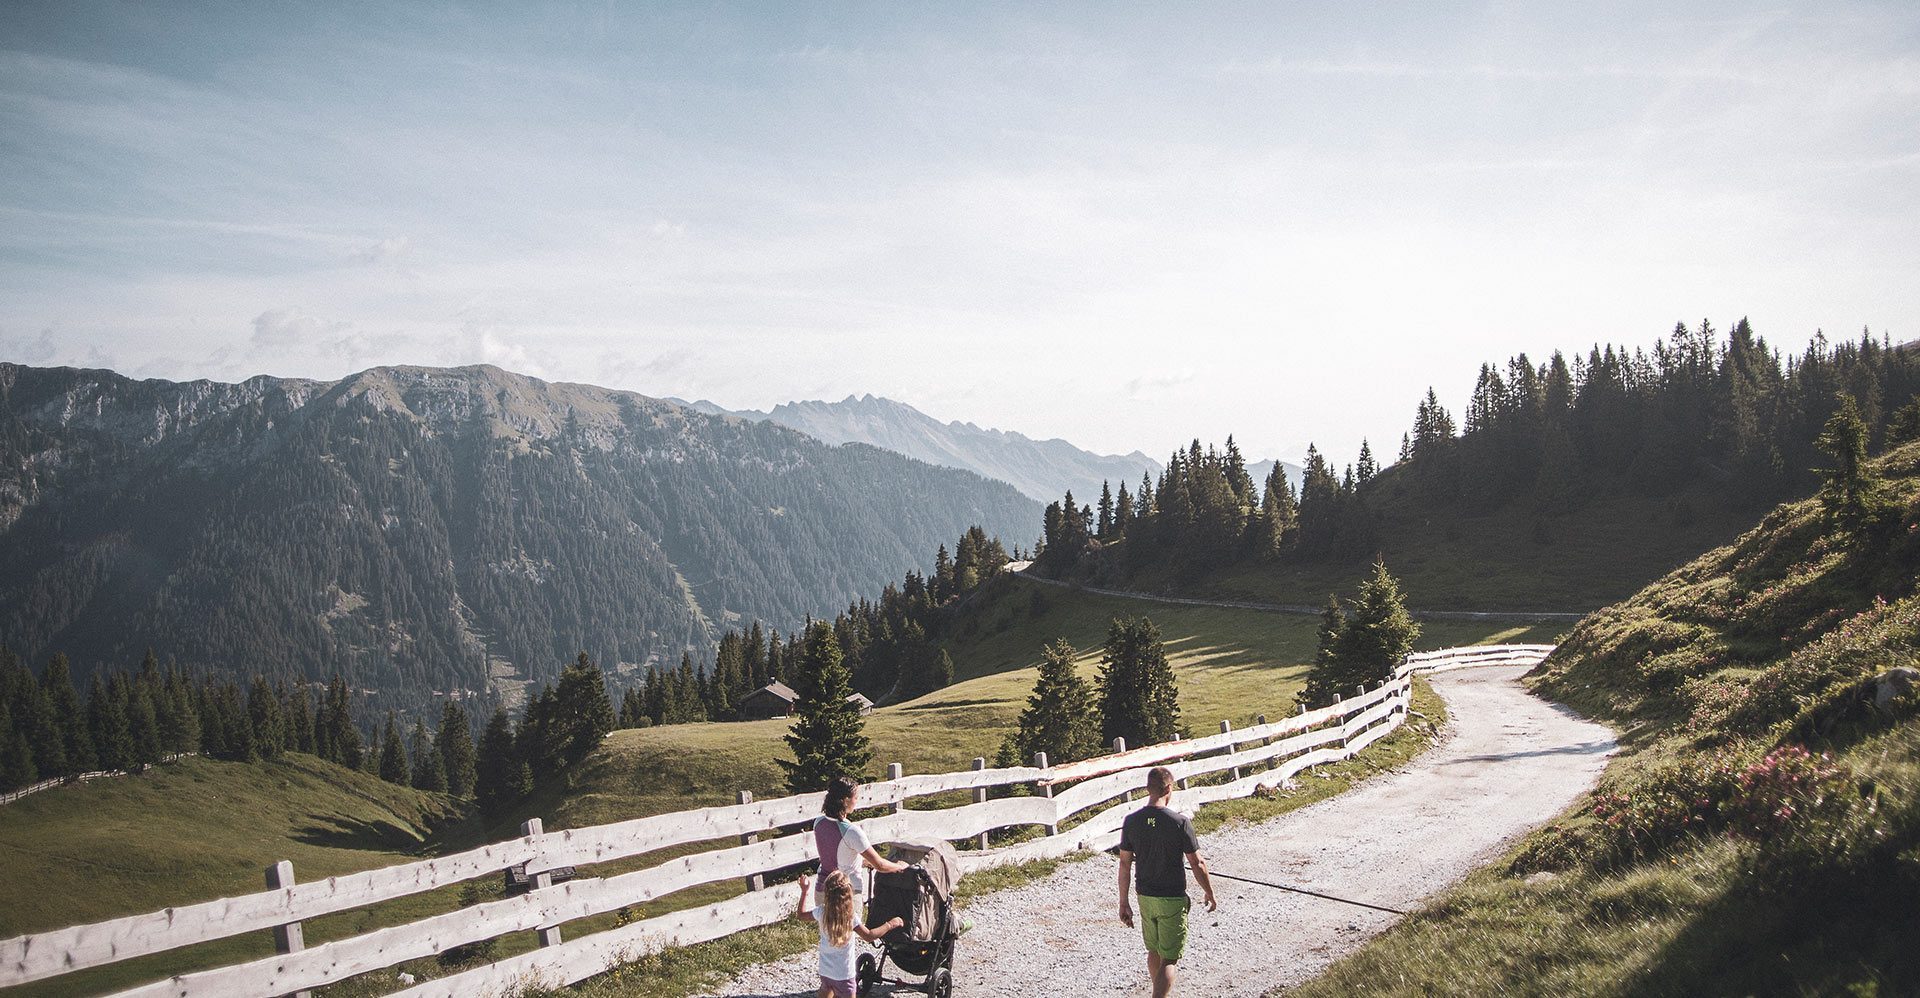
1665, 805
1790, 784
1717, 793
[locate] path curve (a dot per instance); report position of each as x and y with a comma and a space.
1507, 762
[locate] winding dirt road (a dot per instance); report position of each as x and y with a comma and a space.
1507, 762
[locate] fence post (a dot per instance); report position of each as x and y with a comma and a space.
286, 938
1046, 789
980, 793
894, 772
1119, 746
757, 881
541, 881
1260, 721
1226, 728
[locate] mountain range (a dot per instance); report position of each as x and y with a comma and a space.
1042, 469
420, 530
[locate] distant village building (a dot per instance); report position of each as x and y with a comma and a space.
776, 700
772, 700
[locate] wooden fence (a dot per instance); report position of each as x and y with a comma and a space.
1077, 806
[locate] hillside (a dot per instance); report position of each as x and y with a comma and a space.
206, 829
1041, 469
1761, 832
1231, 664
196, 830
419, 529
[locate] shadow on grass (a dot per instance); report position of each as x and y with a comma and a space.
354, 833
1750, 940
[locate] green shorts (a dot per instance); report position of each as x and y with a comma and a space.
1163, 924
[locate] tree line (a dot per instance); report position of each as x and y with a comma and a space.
130, 720
1205, 510
888, 646
1696, 408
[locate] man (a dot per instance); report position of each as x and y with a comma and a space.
1153, 841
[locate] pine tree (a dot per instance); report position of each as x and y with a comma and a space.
429, 771
1104, 529
500, 778
35, 718
1060, 718
180, 725
454, 742
1139, 700
1852, 494
107, 723
1365, 468
393, 754
827, 737
1362, 648
585, 713
298, 710
263, 713
1327, 677
143, 727
68, 714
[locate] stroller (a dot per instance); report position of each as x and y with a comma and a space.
921, 896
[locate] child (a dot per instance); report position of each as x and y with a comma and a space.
834, 914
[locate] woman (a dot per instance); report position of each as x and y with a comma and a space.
841, 844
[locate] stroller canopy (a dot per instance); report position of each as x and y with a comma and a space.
938, 859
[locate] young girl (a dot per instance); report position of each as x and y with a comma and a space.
838, 926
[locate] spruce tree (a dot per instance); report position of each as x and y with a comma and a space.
393, 754
143, 727
263, 713
500, 777
39, 723
1379, 631
298, 710
1060, 718
180, 727
1327, 676
1139, 699
429, 771
1852, 493
584, 712
68, 714
107, 723
827, 738
454, 742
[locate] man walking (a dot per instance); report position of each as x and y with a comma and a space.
1154, 841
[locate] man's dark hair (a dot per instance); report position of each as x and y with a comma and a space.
1160, 781
839, 794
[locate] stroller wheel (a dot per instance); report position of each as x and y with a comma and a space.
866, 972
940, 983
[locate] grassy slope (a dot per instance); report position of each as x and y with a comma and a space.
1232, 665
196, 830
1750, 648
1454, 559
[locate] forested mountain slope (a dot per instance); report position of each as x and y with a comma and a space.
419, 529
1571, 483
1760, 833
1042, 469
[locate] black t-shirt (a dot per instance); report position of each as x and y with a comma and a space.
1159, 840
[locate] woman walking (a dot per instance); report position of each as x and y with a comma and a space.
841, 844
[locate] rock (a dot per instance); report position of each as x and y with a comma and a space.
1893, 683
405, 978
1541, 877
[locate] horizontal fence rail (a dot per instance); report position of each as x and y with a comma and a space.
1091, 797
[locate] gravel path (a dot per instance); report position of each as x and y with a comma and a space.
1507, 762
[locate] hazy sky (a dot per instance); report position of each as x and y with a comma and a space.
1127, 227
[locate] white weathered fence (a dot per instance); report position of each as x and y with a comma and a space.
1078, 806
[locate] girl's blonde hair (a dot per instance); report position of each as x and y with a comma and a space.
836, 907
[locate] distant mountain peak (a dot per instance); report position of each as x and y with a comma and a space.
1043, 469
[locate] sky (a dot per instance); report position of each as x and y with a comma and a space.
1128, 225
